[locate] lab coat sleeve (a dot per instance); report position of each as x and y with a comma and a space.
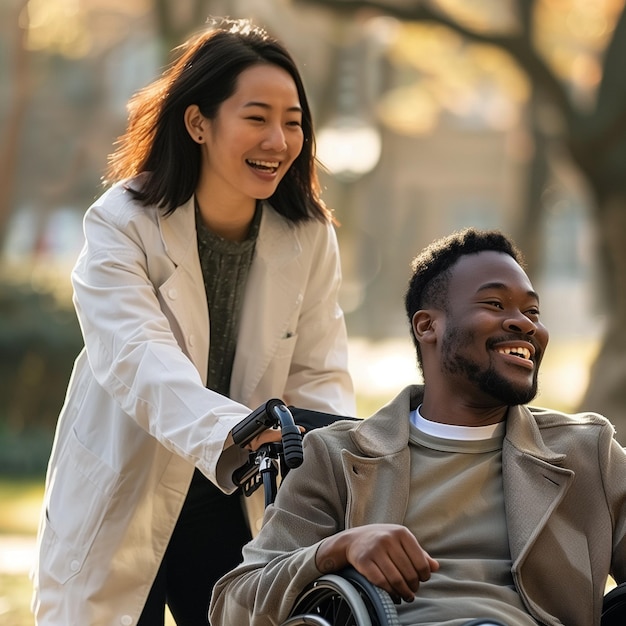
135, 342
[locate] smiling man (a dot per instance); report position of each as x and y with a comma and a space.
457, 498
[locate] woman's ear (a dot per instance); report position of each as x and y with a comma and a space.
424, 325
195, 123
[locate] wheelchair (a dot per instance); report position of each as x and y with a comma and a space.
345, 598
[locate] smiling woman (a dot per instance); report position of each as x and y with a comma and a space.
207, 285
247, 148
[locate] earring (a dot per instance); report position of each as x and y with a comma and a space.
199, 138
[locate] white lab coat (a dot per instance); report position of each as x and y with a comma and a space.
138, 418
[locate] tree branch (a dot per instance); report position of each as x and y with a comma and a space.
518, 46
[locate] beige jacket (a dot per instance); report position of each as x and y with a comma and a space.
564, 481
137, 416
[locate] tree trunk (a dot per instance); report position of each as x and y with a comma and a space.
14, 120
606, 392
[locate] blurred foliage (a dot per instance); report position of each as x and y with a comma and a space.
20, 504
39, 340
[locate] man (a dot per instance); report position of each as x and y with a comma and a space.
456, 497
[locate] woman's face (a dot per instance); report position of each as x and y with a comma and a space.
255, 137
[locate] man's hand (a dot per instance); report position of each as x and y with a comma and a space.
388, 555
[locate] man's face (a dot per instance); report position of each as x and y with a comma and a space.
493, 341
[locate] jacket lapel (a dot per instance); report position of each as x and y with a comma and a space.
534, 483
383, 467
275, 285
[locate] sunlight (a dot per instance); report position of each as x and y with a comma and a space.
57, 25
381, 369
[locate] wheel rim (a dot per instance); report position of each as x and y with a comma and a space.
335, 600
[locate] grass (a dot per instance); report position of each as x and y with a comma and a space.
15, 600
20, 504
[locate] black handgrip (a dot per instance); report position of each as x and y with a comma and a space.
272, 413
259, 420
292, 446
290, 434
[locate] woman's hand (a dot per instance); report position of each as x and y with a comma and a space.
267, 436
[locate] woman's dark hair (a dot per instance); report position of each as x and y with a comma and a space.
157, 143
428, 285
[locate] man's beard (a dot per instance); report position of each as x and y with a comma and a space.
488, 380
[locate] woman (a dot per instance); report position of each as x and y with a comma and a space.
207, 285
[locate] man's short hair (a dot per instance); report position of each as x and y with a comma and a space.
428, 285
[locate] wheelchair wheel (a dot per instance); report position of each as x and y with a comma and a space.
343, 599
614, 608
306, 620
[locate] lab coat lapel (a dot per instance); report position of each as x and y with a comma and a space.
184, 290
273, 294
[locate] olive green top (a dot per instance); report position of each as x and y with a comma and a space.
225, 268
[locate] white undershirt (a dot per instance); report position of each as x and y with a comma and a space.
459, 433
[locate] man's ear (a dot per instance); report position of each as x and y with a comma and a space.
195, 123
424, 326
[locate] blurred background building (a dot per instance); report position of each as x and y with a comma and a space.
425, 125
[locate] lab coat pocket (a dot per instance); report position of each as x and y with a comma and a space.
274, 378
286, 346
283, 358
80, 490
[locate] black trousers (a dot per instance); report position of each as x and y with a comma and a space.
206, 543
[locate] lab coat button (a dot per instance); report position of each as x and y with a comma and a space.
126, 620
74, 565
172, 294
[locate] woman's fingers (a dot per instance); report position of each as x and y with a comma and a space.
267, 436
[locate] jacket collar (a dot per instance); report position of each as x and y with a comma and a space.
387, 431
522, 432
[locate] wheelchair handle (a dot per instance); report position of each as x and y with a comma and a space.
259, 420
292, 445
248, 475
271, 414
